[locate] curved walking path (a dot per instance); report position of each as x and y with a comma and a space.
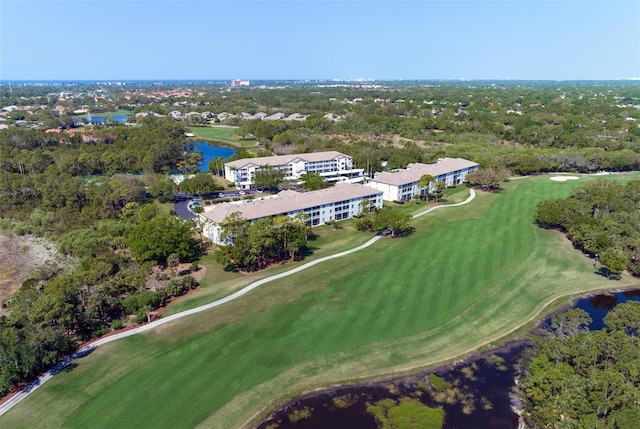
11, 402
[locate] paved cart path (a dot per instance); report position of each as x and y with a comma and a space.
10, 403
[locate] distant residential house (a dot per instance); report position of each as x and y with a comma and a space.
342, 201
275, 117
333, 166
403, 184
295, 117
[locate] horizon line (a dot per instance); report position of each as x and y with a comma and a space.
635, 78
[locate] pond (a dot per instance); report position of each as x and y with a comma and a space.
482, 386
100, 119
209, 152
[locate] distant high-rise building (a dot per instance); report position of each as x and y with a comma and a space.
239, 82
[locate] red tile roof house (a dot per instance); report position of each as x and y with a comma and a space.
342, 201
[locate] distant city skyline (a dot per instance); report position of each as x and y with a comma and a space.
319, 40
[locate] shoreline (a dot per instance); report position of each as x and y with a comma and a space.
524, 340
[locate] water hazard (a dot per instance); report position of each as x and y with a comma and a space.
209, 152
476, 393
100, 119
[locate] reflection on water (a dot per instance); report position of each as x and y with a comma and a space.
209, 152
482, 387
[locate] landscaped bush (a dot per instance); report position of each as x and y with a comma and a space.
180, 286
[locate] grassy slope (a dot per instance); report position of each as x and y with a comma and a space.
221, 134
467, 277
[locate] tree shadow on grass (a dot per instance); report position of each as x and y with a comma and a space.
69, 367
604, 272
306, 252
407, 232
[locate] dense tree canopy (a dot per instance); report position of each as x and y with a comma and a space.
313, 182
200, 184
601, 218
268, 177
488, 178
587, 378
161, 236
254, 245
385, 218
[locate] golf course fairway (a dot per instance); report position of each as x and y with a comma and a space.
468, 277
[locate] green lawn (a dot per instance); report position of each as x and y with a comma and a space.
226, 135
468, 277
411, 207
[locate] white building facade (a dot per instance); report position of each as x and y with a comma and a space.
404, 184
333, 166
342, 201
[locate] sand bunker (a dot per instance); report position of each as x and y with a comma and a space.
564, 178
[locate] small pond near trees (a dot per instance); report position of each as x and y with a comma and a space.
209, 152
100, 119
476, 393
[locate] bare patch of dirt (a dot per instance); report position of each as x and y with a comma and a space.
21, 255
160, 276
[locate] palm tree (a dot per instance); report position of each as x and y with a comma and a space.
438, 187
173, 260
425, 183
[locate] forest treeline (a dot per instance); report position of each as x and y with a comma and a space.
109, 226
601, 218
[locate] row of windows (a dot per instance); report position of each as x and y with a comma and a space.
322, 170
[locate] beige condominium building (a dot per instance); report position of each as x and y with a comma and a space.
403, 184
333, 166
342, 201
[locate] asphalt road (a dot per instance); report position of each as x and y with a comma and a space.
181, 208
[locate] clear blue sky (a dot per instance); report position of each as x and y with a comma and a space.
115, 40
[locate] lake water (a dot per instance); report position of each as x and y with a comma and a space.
599, 305
209, 152
488, 375
100, 119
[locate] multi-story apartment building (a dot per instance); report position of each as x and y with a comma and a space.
333, 166
342, 201
404, 184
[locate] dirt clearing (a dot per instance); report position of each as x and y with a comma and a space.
21, 255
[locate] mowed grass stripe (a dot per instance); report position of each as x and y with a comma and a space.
278, 338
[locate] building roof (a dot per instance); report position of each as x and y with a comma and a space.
285, 159
290, 201
414, 172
